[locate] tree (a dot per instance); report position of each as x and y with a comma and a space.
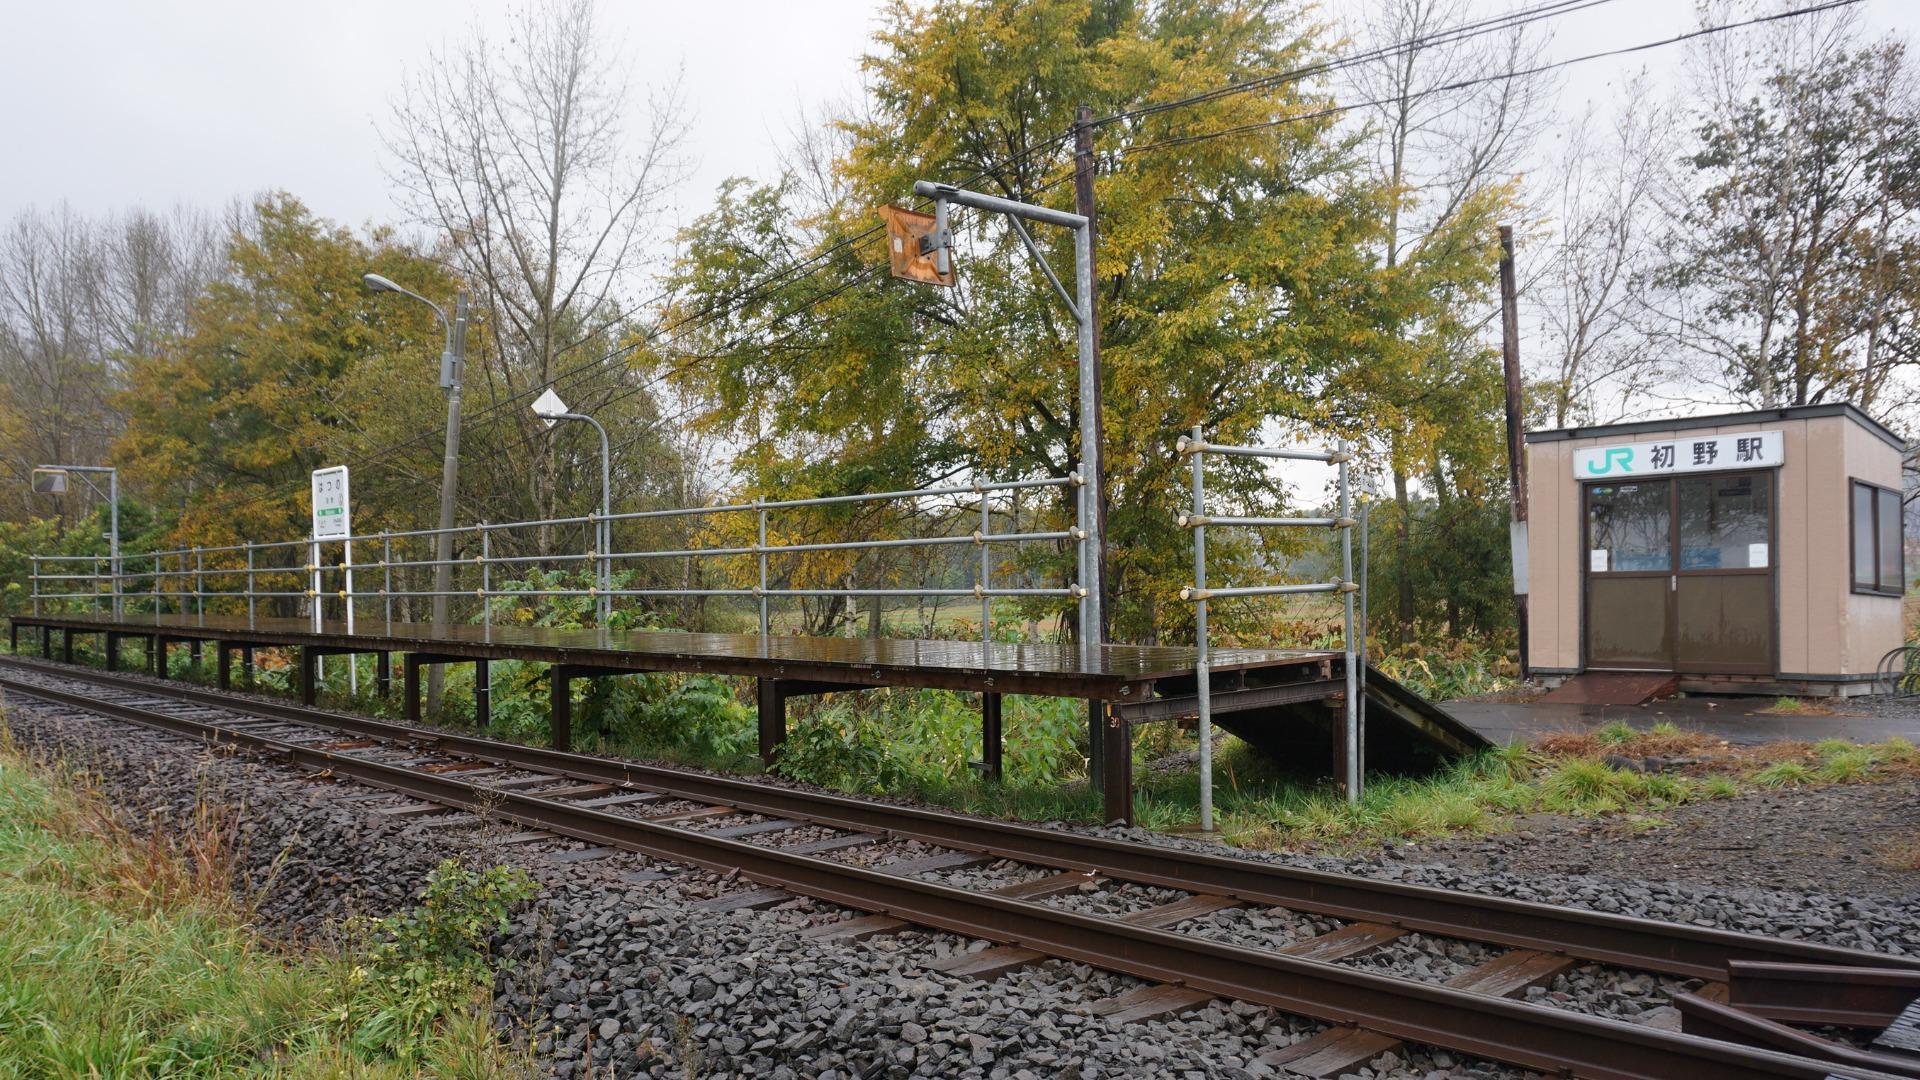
1448, 154
1240, 274
1793, 242
1596, 362
517, 153
285, 364
79, 299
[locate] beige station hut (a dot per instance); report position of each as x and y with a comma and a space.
1746, 552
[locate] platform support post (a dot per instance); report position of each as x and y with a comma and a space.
991, 744
1116, 779
157, 656
113, 650
46, 643
560, 715
410, 685
383, 673
13, 637
773, 718
193, 651
222, 665
246, 664
309, 675
66, 645
482, 696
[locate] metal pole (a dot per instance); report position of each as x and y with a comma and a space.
199, 583
1355, 771
1093, 543
386, 576
449, 484
113, 532
761, 545
249, 583
986, 579
1366, 512
486, 578
1202, 676
36, 583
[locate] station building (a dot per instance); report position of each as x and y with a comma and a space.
1753, 552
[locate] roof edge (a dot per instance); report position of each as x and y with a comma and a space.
1758, 416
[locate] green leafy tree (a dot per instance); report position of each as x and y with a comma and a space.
1240, 274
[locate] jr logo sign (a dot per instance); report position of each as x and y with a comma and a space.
1618, 458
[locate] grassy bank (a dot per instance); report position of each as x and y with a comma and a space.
123, 956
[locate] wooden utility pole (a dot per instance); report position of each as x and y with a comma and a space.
1516, 423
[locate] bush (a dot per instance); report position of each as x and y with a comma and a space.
424, 964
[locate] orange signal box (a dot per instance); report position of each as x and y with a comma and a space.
906, 230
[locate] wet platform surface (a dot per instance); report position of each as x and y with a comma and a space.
1111, 671
1739, 720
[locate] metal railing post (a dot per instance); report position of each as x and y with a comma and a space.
1202, 673
986, 575
1355, 770
36, 583
386, 576
199, 583
250, 598
95, 584
486, 577
760, 549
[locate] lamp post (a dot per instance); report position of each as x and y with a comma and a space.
453, 360
550, 409
55, 483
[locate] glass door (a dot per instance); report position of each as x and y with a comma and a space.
1679, 574
1629, 594
1723, 591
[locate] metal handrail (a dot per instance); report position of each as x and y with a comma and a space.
1196, 447
187, 577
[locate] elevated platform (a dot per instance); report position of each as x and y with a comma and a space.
1278, 699
1111, 673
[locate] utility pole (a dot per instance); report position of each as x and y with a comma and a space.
456, 363
1516, 434
1093, 427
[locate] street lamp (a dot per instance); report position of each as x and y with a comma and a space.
453, 360
550, 409
52, 480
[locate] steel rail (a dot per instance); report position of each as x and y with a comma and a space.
1530, 1036
1645, 944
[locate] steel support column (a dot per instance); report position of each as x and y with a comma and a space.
560, 712
991, 743
309, 674
1116, 778
383, 673
223, 665
482, 696
773, 717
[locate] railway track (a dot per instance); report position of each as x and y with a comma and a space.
1738, 1025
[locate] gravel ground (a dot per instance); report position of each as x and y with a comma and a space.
627, 978
1836, 835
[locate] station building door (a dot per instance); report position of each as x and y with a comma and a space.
1679, 574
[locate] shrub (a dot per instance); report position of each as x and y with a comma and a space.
424, 964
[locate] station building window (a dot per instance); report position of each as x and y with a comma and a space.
1878, 540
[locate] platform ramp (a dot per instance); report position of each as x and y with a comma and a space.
1405, 733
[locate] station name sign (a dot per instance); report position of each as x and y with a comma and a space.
332, 516
1700, 453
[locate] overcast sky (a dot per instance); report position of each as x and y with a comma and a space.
112, 104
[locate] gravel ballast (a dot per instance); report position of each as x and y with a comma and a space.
634, 980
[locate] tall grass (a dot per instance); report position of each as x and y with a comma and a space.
122, 956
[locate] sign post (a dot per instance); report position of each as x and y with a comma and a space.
332, 520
